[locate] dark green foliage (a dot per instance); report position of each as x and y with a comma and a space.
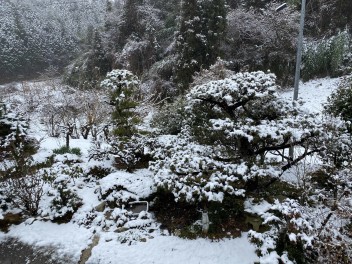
203, 24
89, 69
98, 172
64, 149
326, 17
123, 88
130, 23
5, 129
182, 214
295, 250
100, 61
170, 10
169, 119
325, 57
227, 218
129, 152
255, 3
340, 101
66, 198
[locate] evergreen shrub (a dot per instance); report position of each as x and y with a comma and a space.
169, 119
340, 101
123, 88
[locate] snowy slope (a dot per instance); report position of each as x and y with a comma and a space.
314, 93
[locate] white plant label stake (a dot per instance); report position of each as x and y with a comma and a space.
205, 222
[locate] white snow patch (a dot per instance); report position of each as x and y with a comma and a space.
314, 93
258, 209
140, 182
69, 239
174, 250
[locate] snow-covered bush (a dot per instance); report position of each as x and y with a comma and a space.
302, 233
97, 171
129, 155
127, 219
218, 71
340, 102
242, 142
127, 146
170, 117
337, 142
24, 193
21, 186
61, 199
191, 173
120, 188
13, 135
315, 226
233, 147
243, 118
117, 195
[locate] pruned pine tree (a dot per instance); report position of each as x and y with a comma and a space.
227, 135
123, 87
203, 23
126, 145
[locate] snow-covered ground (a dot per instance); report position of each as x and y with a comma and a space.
314, 93
156, 246
174, 250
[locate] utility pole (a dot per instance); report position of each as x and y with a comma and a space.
298, 60
299, 51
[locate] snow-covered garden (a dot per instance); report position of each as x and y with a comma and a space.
112, 176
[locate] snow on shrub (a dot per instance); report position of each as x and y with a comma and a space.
189, 171
236, 130
128, 154
340, 102
234, 142
122, 87
244, 117
120, 188
116, 79
61, 199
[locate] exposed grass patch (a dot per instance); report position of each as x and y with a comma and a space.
64, 149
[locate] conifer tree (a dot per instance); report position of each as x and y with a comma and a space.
123, 87
100, 59
203, 23
130, 21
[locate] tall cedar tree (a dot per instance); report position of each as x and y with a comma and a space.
130, 21
202, 28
